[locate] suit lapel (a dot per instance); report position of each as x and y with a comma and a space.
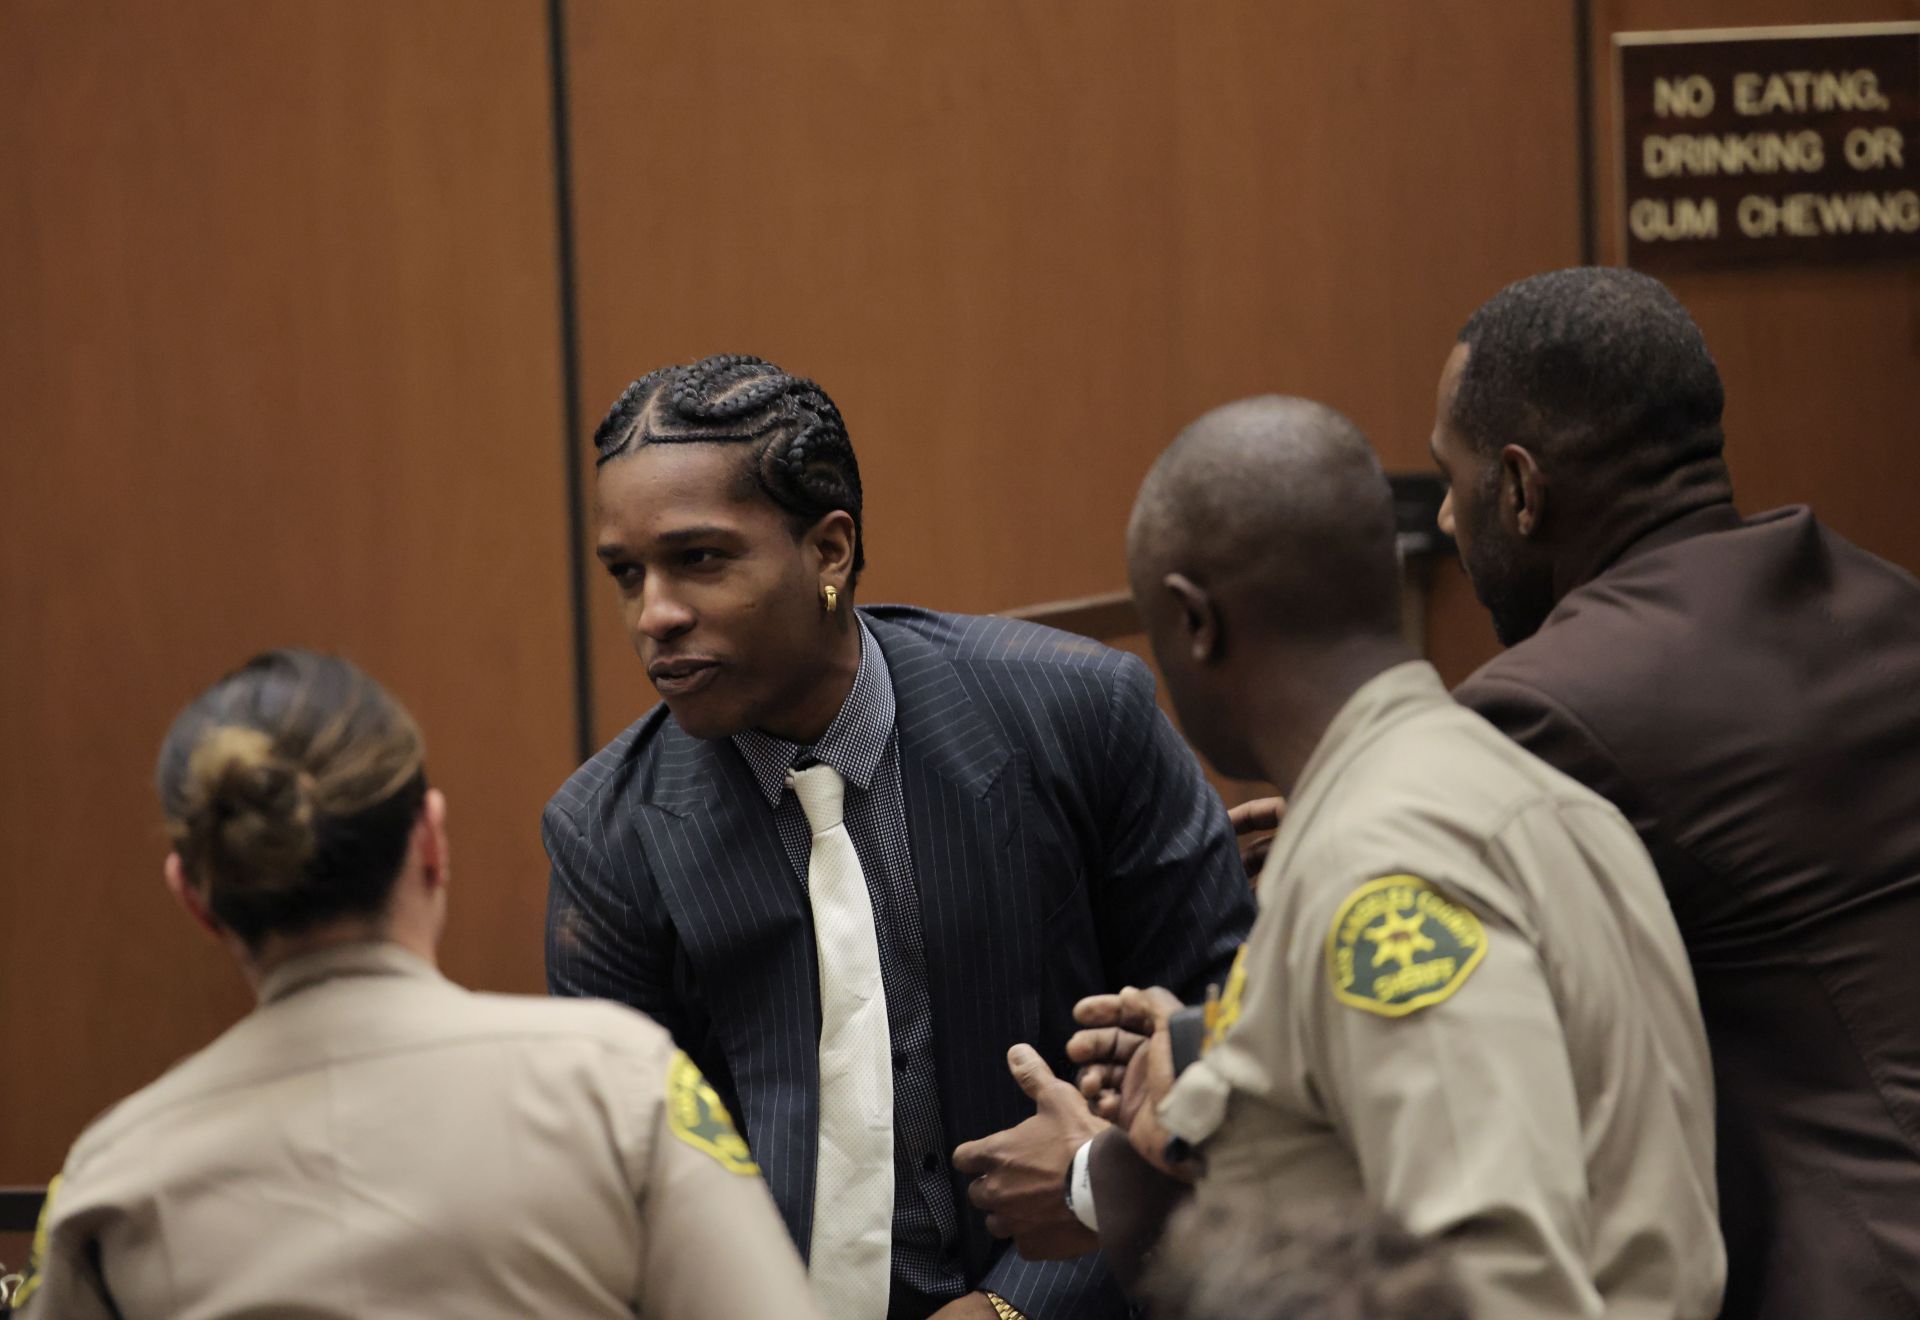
964, 794
744, 921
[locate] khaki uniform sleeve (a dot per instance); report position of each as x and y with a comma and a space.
1434, 1036
61, 1277
715, 1247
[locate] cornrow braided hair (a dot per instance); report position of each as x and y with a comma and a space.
802, 458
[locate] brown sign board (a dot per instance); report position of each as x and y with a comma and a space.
1769, 146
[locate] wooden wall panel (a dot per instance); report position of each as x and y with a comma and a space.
1822, 364
278, 364
1023, 242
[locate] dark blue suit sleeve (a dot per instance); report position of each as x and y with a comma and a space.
1081, 1289
1174, 903
1171, 904
598, 942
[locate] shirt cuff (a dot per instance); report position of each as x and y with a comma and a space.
1197, 1105
1080, 1189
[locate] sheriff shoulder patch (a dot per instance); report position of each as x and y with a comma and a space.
37, 1254
1398, 946
1225, 1011
697, 1116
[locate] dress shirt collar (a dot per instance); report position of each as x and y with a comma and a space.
853, 744
369, 958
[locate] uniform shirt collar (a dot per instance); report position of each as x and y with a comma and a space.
372, 958
1380, 701
1376, 706
853, 744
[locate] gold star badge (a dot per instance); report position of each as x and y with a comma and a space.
1398, 936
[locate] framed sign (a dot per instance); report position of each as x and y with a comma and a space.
1750, 146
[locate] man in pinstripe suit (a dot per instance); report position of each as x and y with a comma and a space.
1028, 827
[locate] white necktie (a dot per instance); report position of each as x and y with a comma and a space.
851, 1261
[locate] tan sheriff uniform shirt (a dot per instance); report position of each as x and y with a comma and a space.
375, 1141
1466, 1001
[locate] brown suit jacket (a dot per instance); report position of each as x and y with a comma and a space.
1748, 694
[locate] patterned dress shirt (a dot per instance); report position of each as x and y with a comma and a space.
864, 747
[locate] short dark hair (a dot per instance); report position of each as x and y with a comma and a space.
1284, 499
1591, 365
1237, 1255
801, 457
291, 788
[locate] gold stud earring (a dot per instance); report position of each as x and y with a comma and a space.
830, 598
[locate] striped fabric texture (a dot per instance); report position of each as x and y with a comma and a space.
863, 744
1064, 842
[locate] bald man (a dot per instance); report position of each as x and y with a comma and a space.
1465, 1000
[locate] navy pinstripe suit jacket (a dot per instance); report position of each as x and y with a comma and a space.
1064, 841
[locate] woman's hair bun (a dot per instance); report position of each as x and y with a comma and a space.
291, 789
250, 810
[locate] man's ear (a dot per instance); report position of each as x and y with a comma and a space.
188, 897
1523, 491
430, 838
832, 541
1200, 617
